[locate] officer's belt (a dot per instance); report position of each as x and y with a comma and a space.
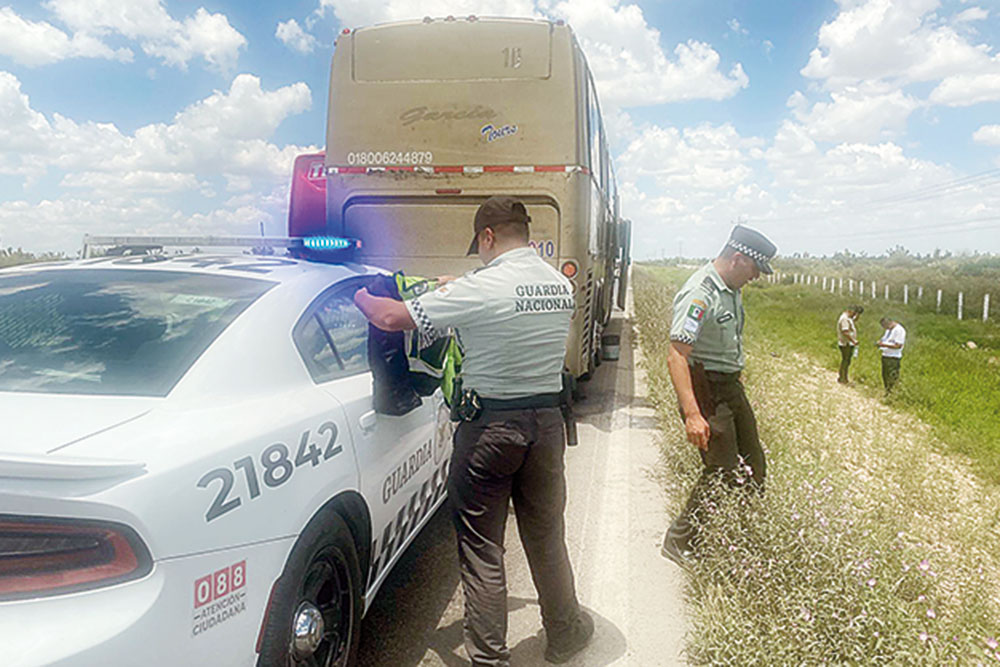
719, 376
523, 402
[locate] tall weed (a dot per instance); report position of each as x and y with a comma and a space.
868, 547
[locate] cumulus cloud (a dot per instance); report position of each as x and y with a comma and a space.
684, 187
628, 60
176, 42
870, 55
153, 174
971, 14
706, 157
294, 37
35, 43
855, 114
964, 90
903, 41
988, 134
225, 131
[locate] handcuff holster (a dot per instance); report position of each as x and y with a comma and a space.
465, 403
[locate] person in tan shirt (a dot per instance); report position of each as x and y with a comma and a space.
847, 338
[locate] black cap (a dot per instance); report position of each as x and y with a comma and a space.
497, 211
754, 245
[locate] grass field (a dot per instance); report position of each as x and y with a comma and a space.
870, 546
944, 382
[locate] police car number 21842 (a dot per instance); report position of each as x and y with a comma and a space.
277, 465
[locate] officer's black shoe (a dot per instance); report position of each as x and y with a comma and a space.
567, 644
677, 550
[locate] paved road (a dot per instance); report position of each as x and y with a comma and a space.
615, 518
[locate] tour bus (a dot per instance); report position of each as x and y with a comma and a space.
427, 119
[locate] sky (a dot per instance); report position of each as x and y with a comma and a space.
829, 125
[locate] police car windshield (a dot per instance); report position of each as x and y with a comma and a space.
112, 332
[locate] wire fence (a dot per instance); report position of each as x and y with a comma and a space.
970, 303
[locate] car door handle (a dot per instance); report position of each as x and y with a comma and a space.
368, 422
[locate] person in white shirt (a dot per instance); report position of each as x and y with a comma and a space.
892, 343
847, 338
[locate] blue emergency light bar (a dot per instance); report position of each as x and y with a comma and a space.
321, 248
329, 243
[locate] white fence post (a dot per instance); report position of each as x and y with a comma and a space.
873, 289
861, 288
906, 294
986, 307
960, 299
887, 292
824, 283
841, 285
920, 293
938, 308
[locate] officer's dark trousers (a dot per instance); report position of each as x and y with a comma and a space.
890, 372
846, 353
504, 455
732, 446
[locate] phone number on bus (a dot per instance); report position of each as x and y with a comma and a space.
379, 158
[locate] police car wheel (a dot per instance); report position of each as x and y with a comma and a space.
315, 616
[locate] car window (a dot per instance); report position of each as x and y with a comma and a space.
112, 331
333, 338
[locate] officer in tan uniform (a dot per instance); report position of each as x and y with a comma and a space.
705, 361
512, 317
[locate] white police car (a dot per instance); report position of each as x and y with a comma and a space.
191, 472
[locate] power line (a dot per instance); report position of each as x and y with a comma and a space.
936, 227
960, 183
956, 186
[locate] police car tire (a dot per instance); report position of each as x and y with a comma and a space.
326, 542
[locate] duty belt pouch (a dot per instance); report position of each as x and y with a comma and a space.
702, 389
468, 406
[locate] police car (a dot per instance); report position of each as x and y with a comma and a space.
191, 472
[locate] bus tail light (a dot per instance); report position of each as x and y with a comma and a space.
41, 556
569, 269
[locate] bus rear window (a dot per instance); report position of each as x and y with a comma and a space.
453, 51
112, 332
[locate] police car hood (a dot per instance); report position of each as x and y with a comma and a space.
40, 424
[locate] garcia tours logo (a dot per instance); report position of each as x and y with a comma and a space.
425, 114
492, 133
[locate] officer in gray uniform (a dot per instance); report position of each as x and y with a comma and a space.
512, 317
705, 360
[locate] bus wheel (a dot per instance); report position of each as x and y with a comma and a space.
315, 616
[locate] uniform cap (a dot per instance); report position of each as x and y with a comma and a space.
497, 211
754, 245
